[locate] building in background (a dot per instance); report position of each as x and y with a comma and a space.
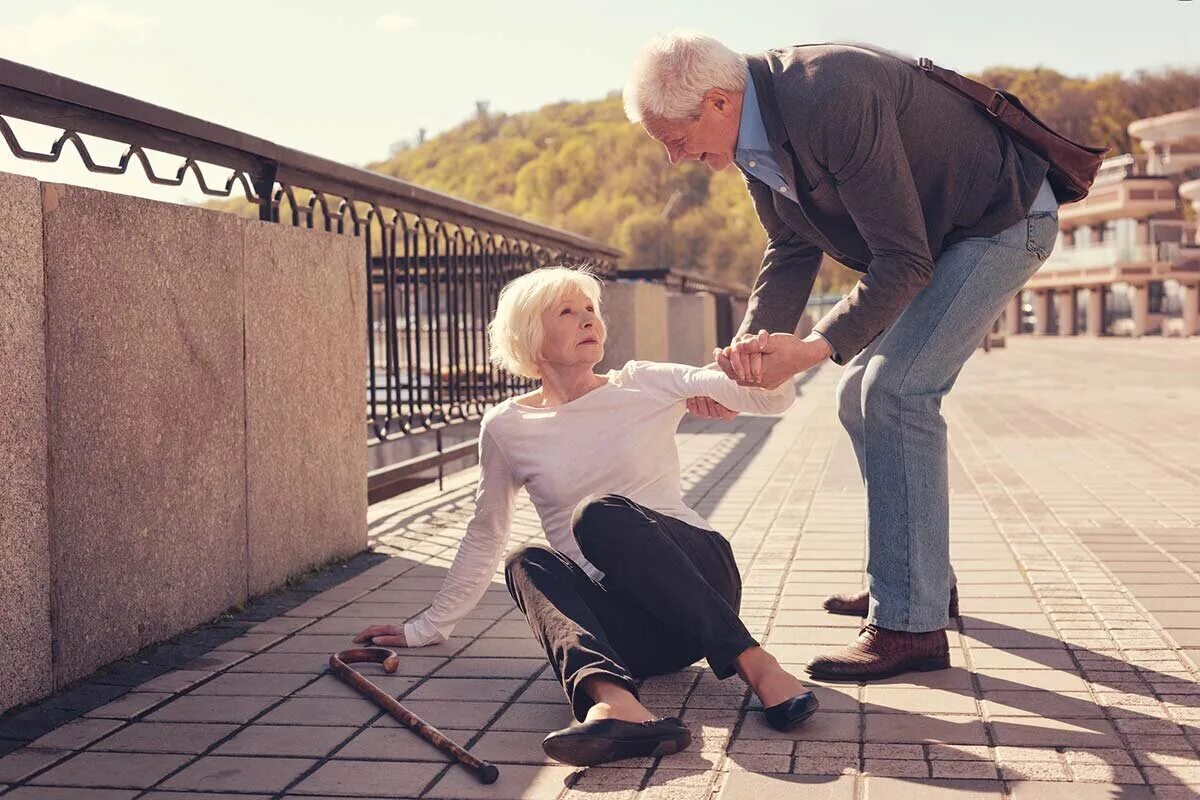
1127, 262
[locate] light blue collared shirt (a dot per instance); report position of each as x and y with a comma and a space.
753, 154
755, 157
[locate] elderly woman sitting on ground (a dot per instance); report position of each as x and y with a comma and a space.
634, 582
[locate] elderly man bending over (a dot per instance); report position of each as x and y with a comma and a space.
854, 152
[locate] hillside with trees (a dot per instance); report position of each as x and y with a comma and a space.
583, 167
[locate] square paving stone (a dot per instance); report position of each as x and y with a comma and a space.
340, 626
1031, 658
77, 734
1024, 679
897, 788
609, 783
397, 744
543, 692
504, 648
249, 643
1038, 790
512, 747
463, 667
899, 751
1040, 732
1185, 637
517, 782
116, 770
333, 686
751, 786
822, 726
901, 699
231, 773
202, 796
924, 728
544, 717
468, 689
285, 740
19, 765
447, 714
130, 705
817, 618
215, 661
165, 737
65, 793
745, 762
86, 696
321, 711
978, 625
985, 770
1034, 771
305, 663
314, 643
955, 679
174, 681
805, 636
282, 625
833, 698
9, 745
211, 708
1059, 705
267, 684
895, 768
371, 778
514, 629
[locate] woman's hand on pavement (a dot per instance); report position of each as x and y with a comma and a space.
382, 636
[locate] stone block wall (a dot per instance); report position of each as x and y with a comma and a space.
25, 671
185, 427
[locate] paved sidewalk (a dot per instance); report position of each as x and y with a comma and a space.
1075, 477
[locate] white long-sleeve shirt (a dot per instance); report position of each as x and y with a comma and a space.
617, 439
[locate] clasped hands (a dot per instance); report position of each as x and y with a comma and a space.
761, 359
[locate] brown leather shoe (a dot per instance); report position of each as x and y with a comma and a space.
856, 604
880, 653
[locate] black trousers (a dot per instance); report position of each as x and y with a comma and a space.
670, 594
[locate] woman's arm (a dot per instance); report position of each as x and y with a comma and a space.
478, 554
680, 381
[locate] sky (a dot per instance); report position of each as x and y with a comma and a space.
347, 85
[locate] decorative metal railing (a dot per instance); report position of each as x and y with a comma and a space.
435, 263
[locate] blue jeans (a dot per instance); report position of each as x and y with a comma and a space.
889, 401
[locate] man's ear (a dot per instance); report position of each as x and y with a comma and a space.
719, 99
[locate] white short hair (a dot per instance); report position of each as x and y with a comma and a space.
672, 73
515, 334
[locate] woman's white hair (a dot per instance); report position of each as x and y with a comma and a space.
515, 333
672, 73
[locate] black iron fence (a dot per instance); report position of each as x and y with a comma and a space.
435, 263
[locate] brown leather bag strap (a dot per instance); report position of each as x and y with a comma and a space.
1072, 166
990, 99
1011, 112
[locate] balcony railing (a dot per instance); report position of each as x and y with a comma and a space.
1104, 255
435, 263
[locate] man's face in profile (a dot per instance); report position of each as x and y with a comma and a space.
710, 138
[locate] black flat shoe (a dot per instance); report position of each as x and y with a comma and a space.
790, 713
605, 740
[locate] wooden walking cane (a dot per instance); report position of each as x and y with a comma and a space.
339, 663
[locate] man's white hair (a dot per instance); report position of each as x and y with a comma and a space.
515, 333
672, 73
